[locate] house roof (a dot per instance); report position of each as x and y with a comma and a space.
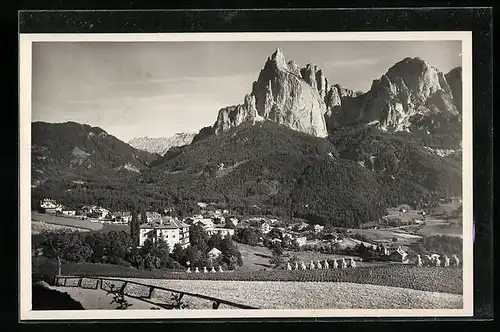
220, 229
204, 221
214, 251
164, 223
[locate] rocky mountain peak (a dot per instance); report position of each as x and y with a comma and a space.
454, 79
278, 59
283, 93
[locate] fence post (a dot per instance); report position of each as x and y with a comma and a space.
122, 289
152, 292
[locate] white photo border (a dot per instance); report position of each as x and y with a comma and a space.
25, 78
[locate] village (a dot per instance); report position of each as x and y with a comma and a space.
391, 238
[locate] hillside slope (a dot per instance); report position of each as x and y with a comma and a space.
77, 150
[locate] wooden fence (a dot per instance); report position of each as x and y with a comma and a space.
149, 298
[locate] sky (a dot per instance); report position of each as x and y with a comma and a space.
156, 89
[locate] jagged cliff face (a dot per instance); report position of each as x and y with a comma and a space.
409, 94
233, 116
281, 94
454, 79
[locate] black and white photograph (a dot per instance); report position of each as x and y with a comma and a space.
246, 175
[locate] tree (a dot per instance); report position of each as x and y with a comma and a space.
117, 246
160, 253
198, 237
248, 235
230, 252
275, 233
134, 228
214, 241
65, 246
179, 254
277, 259
144, 217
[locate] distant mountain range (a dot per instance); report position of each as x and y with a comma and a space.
297, 146
161, 145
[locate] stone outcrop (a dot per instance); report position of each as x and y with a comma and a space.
409, 92
282, 95
454, 79
233, 116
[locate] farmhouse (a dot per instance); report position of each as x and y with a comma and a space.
223, 232
125, 217
150, 217
214, 253
265, 227
205, 223
233, 221
301, 240
276, 240
318, 228
299, 226
48, 203
399, 255
171, 230
69, 212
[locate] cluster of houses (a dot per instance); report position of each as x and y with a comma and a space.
213, 221
91, 212
52, 207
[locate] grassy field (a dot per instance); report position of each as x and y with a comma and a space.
444, 207
310, 295
66, 221
38, 226
254, 258
257, 258
444, 228
434, 279
388, 234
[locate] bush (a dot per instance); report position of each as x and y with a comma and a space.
47, 299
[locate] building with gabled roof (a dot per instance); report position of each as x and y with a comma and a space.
214, 253
171, 230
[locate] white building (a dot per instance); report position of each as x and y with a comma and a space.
301, 240
265, 227
150, 216
122, 217
48, 203
205, 223
69, 212
171, 230
214, 253
318, 228
233, 221
223, 232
